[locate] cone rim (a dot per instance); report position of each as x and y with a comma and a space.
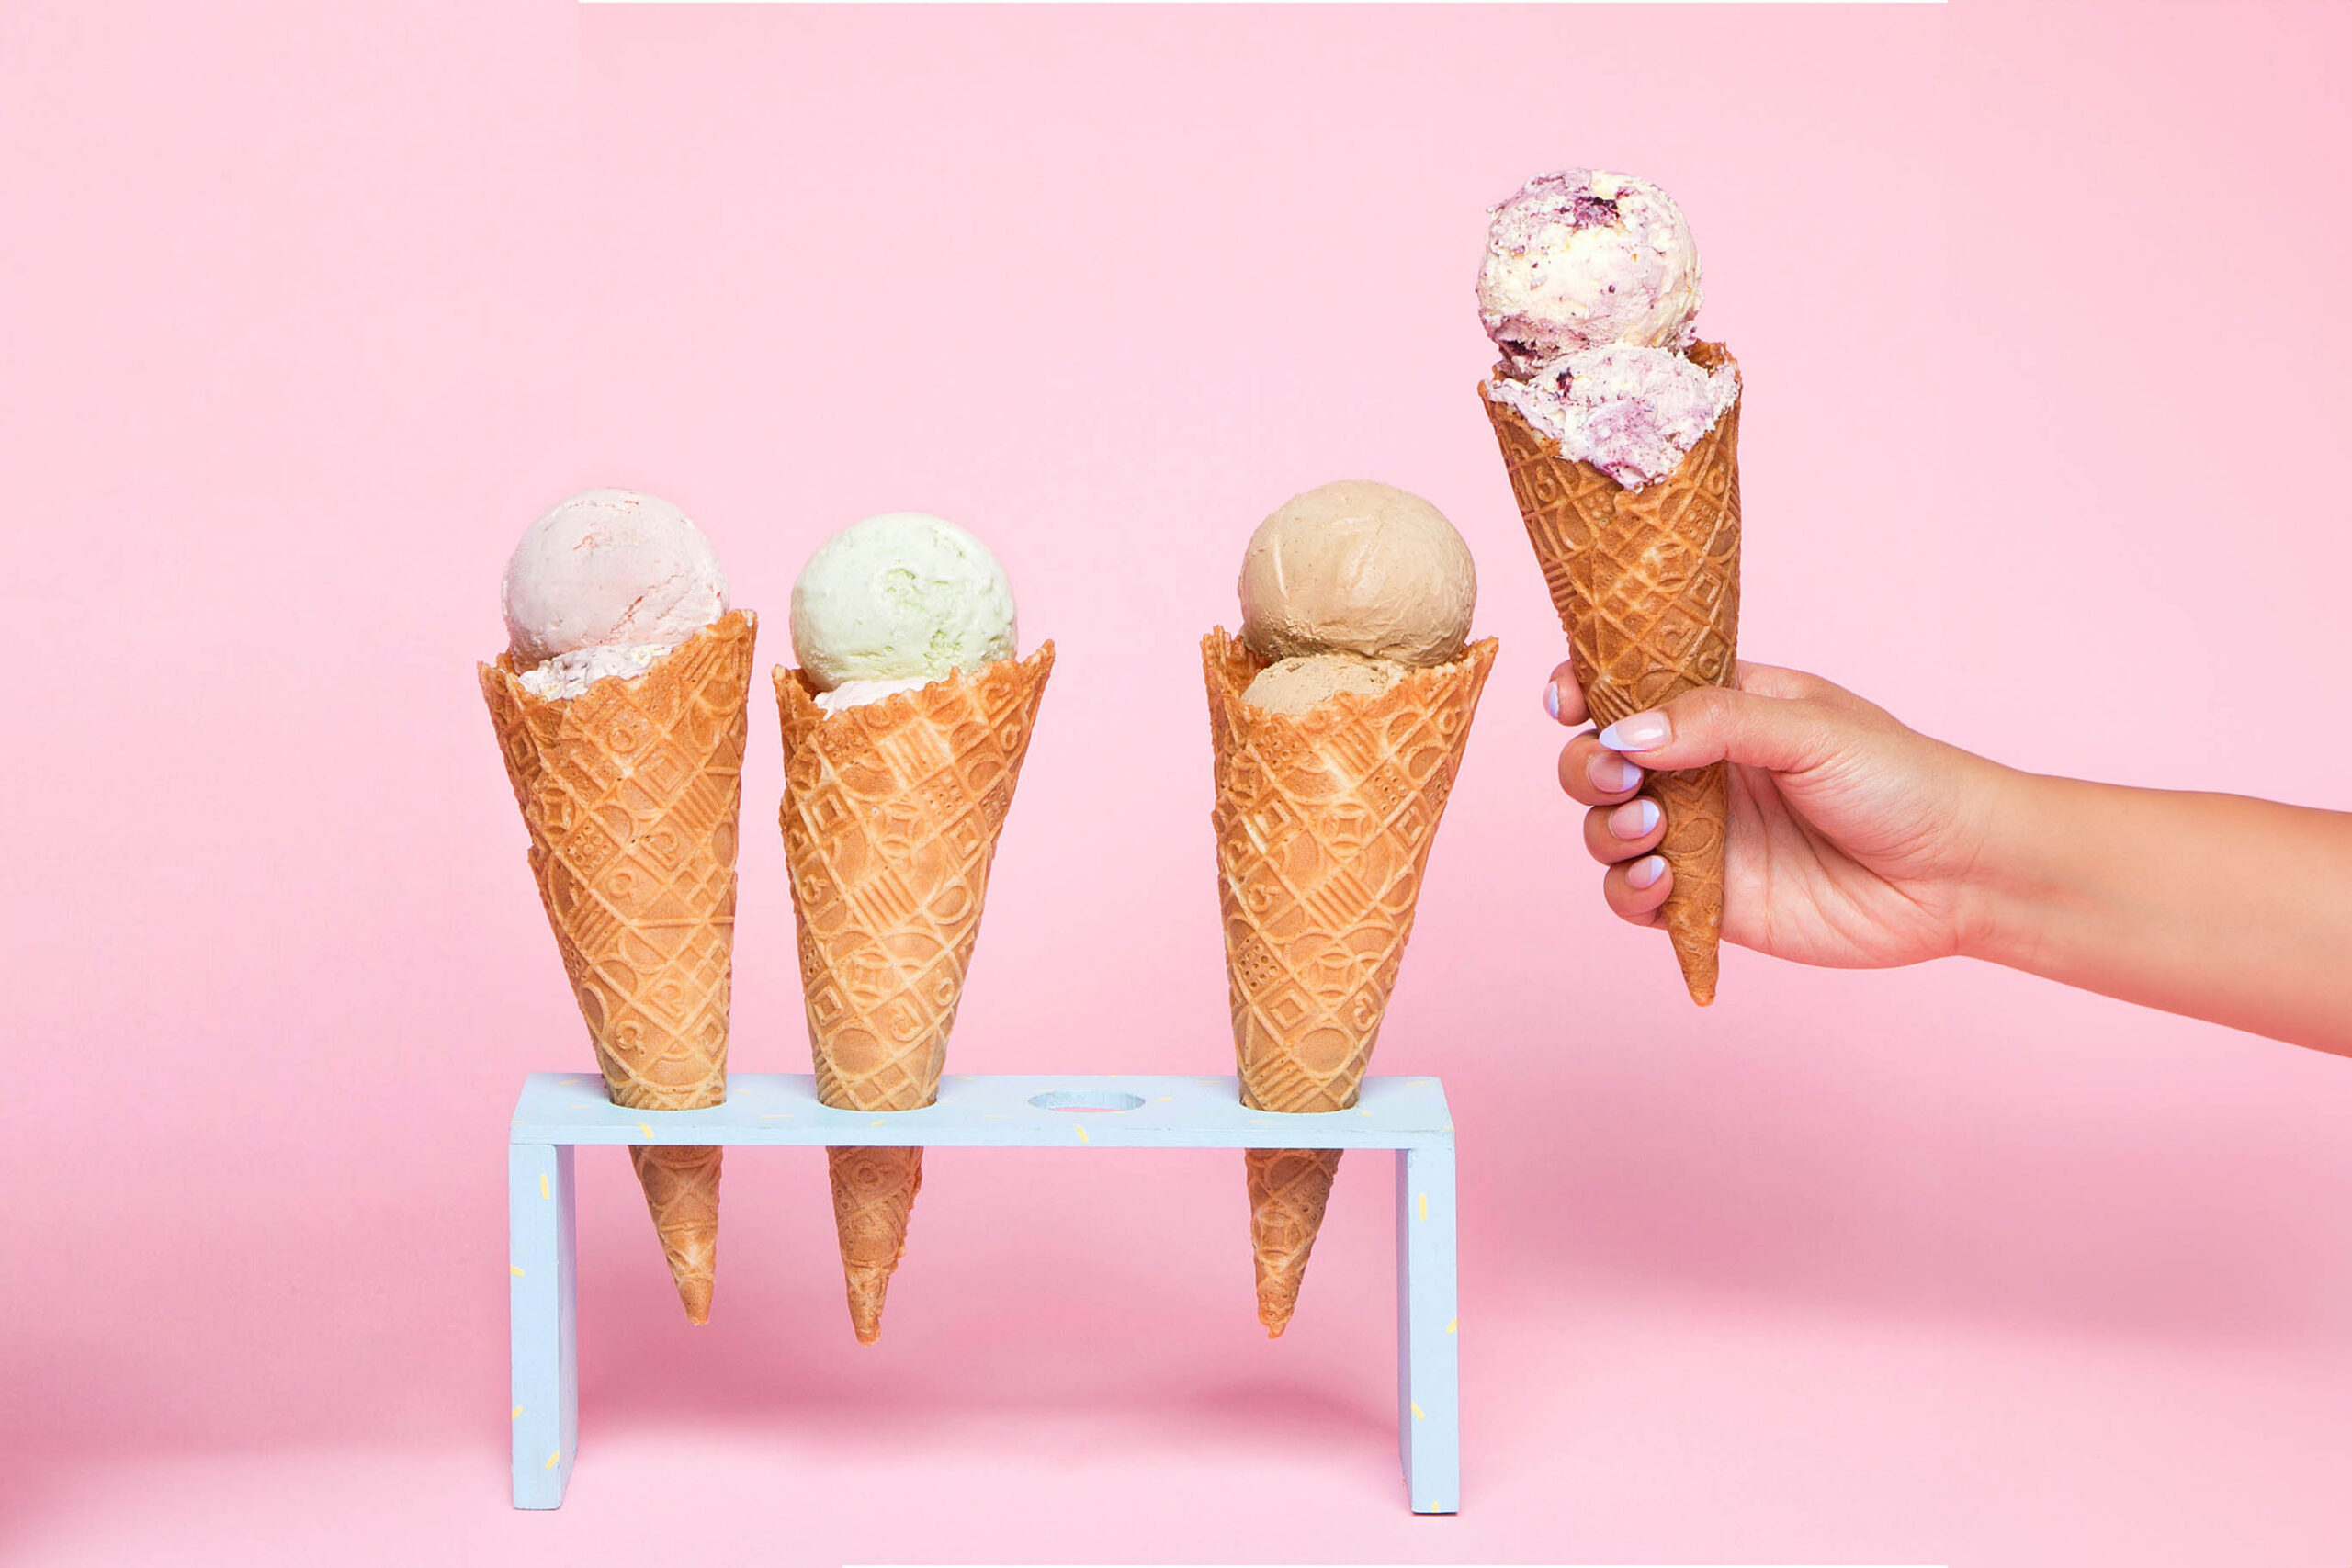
1418, 687
1708, 356
793, 684
503, 666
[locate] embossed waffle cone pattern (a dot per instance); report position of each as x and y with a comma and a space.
874, 1197
631, 793
681, 1185
1288, 1191
890, 818
1646, 584
1323, 822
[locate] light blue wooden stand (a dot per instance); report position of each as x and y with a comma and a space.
559, 1110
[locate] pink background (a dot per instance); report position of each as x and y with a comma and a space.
308, 309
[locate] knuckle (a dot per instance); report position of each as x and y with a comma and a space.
1702, 708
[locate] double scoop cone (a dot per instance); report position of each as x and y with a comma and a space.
1324, 822
891, 813
1646, 584
632, 793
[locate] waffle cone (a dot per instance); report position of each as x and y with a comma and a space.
632, 793
1646, 584
891, 813
1324, 822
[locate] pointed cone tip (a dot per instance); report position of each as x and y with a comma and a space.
1697, 960
866, 1320
1276, 1305
868, 1288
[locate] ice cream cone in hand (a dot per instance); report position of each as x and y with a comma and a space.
1621, 435
620, 711
1337, 723
904, 730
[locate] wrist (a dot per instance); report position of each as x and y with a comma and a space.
2005, 896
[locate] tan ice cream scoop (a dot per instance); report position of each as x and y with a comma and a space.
1296, 686
1358, 566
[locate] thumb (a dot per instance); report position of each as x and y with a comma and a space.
1717, 724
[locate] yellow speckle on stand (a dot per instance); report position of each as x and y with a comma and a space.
1362, 1112
557, 1458
515, 1269
1163, 1100
515, 1415
877, 1122
543, 1186
1081, 1134
1417, 1413
646, 1128
1425, 1205
1450, 1323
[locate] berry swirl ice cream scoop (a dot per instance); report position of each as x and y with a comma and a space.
1585, 258
1590, 288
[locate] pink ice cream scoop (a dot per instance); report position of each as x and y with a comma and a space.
1585, 258
1630, 411
610, 568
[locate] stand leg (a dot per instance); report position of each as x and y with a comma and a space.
1429, 1432
540, 1298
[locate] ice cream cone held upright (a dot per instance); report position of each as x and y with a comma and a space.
620, 706
1621, 433
904, 730
1337, 720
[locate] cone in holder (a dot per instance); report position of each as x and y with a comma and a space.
632, 793
1324, 822
1646, 584
890, 818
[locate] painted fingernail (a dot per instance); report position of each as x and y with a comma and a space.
1645, 871
1552, 700
1610, 773
1637, 732
1635, 819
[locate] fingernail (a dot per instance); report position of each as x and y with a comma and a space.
1637, 732
1552, 700
1611, 773
1645, 871
1635, 819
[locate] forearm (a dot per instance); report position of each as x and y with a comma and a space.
2215, 905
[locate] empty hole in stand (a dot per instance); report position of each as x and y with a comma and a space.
1072, 1099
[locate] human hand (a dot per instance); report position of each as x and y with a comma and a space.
1852, 837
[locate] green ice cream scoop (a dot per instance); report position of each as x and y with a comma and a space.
897, 597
